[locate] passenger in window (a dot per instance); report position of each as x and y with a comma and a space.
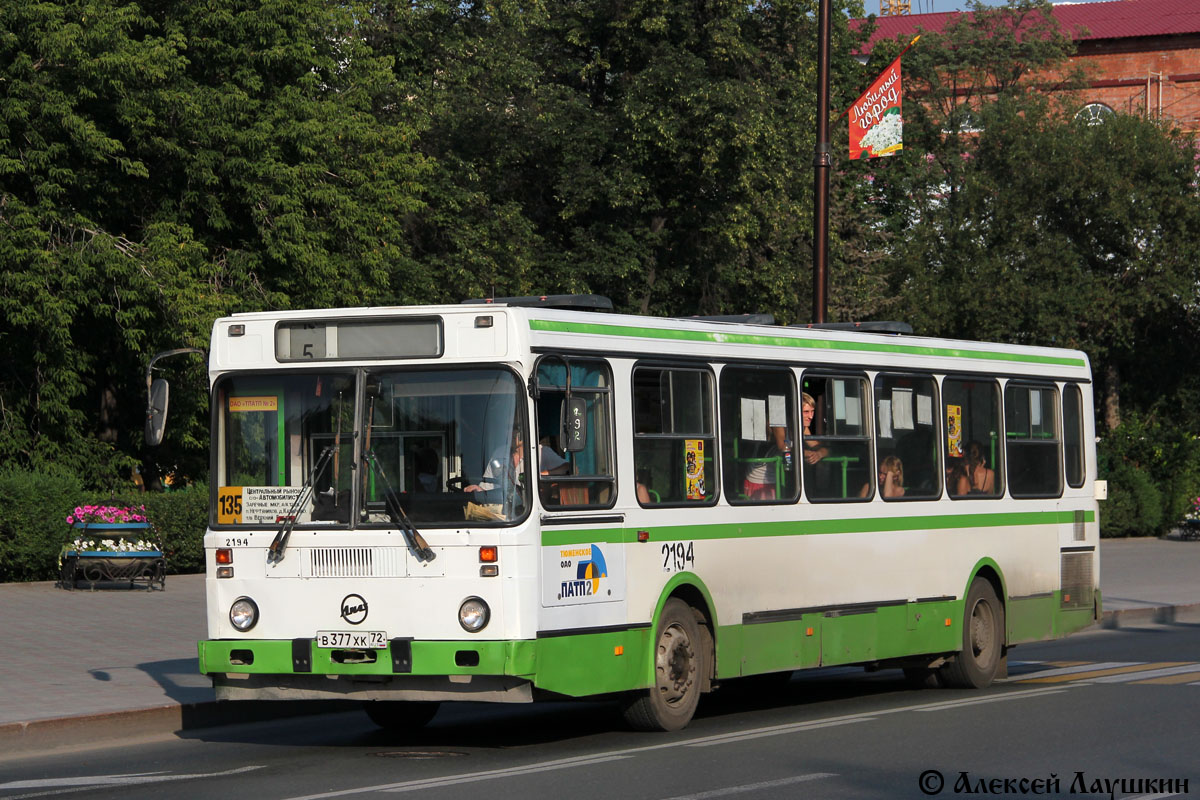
760, 479
956, 475
813, 450
891, 479
643, 487
977, 477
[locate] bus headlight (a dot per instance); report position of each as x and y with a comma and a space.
473, 615
243, 614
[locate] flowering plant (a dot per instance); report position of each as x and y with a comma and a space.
1193, 516
106, 514
81, 545
100, 515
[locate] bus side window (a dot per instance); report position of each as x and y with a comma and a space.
1032, 438
758, 435
582, 477
1073, 434
906, 429
971, 409
674, 438
836, 455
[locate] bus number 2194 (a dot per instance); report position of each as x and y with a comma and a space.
678, 556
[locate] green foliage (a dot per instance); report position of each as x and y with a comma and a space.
1134, 505
180, 518
165, 163
1152, 463
33, 512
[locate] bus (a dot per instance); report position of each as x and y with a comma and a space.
538, 498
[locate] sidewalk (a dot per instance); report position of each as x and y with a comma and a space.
82, 666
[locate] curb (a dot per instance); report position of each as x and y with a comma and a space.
1159, 615
46, 735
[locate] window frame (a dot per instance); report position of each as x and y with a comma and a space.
1010, 440
605, 391
1070, 387
792, 411
868, 424
999, 468
938, 470
712, 484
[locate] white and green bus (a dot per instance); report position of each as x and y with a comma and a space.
520, 500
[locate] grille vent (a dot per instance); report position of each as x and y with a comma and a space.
355, 562
1078, 588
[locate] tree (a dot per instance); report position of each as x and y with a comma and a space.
162, 163
659, 153
1013, 221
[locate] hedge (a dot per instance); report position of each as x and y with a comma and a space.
33, 527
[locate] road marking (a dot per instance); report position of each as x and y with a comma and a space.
754, 787
85, 782
1183, 671
1085, 674
1168, 680
1072, 670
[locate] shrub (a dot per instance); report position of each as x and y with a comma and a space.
1153, 471
34, 506
1134, 506
180, 517
33, 512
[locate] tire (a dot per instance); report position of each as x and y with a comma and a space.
983, 640
680, 664
399, 715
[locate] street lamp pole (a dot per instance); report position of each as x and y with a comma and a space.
822, 163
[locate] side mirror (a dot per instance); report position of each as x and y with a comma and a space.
156, 412
574, 424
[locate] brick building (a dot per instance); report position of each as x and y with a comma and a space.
1141, 56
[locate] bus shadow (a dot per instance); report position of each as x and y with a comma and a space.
464, 726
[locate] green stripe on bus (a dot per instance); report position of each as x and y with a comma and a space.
721, 337
802, 527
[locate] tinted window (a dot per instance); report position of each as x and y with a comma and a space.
1033, 444
1073, 434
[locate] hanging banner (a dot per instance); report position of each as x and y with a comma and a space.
876, 127
876, 124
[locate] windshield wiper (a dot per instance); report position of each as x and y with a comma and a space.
391, 501
279, 543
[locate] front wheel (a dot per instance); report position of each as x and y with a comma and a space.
399, 715
679, 664
983, 639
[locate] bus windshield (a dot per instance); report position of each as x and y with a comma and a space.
325, 450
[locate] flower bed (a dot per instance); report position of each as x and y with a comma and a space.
111, 543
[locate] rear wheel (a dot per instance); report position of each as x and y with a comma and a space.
679, 668
983, 640
399, 715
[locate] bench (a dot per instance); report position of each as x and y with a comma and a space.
113, 566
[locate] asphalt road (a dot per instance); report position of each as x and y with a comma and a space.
1075, 718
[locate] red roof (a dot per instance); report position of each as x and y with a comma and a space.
1115, 19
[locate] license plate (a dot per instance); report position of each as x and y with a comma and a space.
358, 640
